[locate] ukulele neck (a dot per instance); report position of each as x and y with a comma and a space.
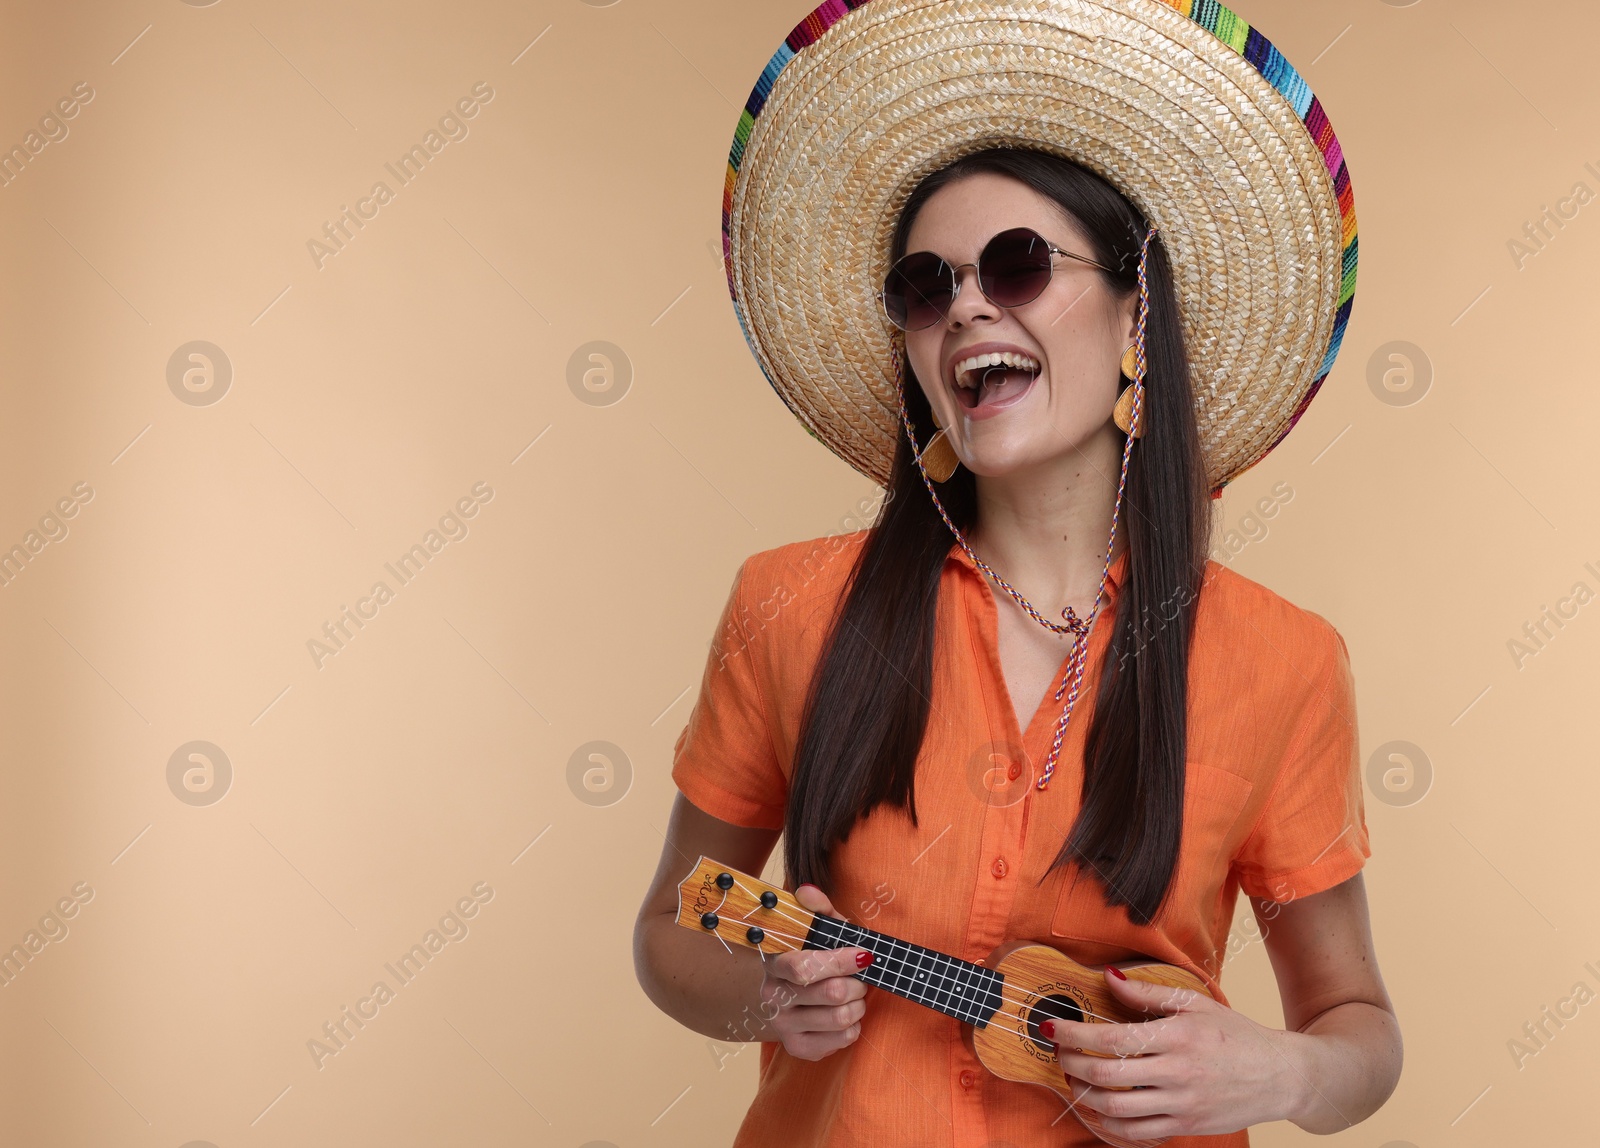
946, 984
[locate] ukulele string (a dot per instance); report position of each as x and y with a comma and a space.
799, 944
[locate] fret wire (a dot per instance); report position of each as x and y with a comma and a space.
888, 974
927, 972
906, 969
894, 973
914, 974
954, 1002
968, 993
930, 976
972, 1004
891, 976
997, 994
971, 979
920, 974
944, 974
964, 991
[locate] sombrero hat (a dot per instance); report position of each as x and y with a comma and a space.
1182, 106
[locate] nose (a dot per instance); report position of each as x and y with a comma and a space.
970, 302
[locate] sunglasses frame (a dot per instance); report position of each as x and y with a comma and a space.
956, 276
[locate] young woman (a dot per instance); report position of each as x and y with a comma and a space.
1067, 376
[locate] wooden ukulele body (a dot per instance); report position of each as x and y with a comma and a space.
1044, 983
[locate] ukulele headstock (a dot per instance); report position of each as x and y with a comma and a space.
741, 909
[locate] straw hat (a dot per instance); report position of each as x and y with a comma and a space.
1183, 107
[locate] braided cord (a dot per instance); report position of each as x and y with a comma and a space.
1079, 628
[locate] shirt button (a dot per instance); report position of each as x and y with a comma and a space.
1015, 771
967, 1078
999, 867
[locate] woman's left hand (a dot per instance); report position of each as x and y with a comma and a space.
1205, 1068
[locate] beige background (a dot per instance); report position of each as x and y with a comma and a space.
211, 942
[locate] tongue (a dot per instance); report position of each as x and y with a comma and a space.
1002, 383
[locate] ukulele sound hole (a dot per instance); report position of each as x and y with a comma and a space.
1055, 1007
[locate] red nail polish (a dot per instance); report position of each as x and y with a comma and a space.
1048, 1027
863, 959
1116, 972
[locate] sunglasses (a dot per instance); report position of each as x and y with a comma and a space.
1013, 268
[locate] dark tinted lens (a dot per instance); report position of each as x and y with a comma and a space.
917, 291
1014, 267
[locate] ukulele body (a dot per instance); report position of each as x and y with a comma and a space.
1044, 983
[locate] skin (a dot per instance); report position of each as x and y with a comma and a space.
1046, 471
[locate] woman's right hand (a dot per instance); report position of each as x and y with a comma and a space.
810, 997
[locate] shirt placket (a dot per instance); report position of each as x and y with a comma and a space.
999, 855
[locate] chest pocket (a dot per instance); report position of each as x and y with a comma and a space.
1091, 932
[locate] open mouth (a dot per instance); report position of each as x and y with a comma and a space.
996, 378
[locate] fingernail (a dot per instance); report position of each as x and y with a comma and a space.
1048, 1027
1116, 972
863, 959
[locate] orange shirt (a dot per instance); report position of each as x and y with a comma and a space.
1273, 806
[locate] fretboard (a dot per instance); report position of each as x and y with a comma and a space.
947, 984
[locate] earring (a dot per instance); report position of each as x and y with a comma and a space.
1122, 413
939, 458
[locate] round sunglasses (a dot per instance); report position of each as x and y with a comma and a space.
1013, 268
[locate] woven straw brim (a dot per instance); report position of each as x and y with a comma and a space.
1209, 133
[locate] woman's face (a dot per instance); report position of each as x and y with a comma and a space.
1075, 331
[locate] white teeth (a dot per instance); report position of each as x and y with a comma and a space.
965, 370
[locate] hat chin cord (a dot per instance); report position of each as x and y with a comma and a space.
1073, 625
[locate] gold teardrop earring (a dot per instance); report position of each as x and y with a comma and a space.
1122, 413
939, 458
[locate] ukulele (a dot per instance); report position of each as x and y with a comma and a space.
1000, 1001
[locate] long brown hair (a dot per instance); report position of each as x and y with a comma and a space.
864, 721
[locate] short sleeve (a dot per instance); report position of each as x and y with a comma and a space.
724, 761
1312, 832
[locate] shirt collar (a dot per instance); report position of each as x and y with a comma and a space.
1114, 577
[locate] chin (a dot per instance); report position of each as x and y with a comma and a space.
1008, 457
1003, 462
